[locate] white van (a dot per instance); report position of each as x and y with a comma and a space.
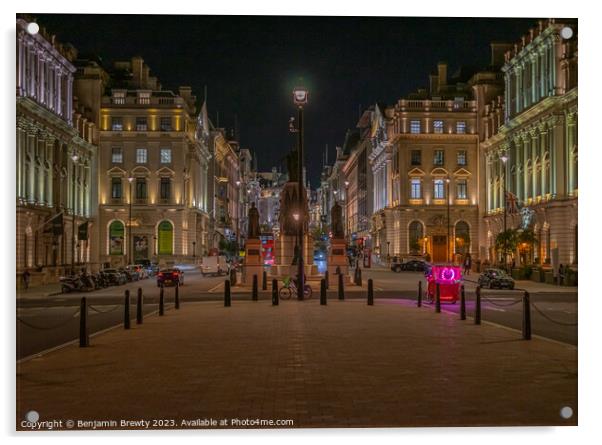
214, 265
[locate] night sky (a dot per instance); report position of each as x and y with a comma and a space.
251, 63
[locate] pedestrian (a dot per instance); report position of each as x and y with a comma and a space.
560, 274
467, 264
26, 278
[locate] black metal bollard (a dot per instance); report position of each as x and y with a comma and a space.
526, 316
419, 294
264, 282
274, 292
161, 302
341, 287
359, 277
462, 304
139, 315
323, 292
477, 309
177, 297
326, 278
255, 290
370, 292
227, 296
126, 311
84, 338
438, 299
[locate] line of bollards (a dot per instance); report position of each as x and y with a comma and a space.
526, 316
177, 297
419, 304
126, 310
341, 287
437, 298
255, 290
370, 292
84, 338
161, 302
477, 309
264, 281
227, 296
275, 292
462, 304
139, 315
323, 297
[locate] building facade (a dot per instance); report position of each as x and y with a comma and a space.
153, 171
56, 161
535, 129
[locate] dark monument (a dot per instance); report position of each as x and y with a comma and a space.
253, 231
336, 219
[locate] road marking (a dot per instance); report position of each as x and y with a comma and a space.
489, 308
214, 288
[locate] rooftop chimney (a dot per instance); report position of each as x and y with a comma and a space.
442, 74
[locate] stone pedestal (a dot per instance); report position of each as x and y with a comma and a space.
253, 263
284, 251
337, 257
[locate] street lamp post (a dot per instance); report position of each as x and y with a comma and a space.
504, 160
300, 96
74, 157
193, 249
447, 180
347, 218
130, 239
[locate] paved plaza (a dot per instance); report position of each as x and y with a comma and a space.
342, 365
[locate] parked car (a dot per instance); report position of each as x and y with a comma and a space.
496, 279
170, 277
412, 265
114, 276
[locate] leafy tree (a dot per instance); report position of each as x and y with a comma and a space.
506, 241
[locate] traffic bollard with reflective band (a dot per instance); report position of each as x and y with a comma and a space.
139, 315
84, 338
419, 293
274, 292
264, 281
227, 296
255, 290
462, 304
370, 292
437, 298
526, 316
126, 311
177, 298
161, 302
341, 287
477, 310
323, 292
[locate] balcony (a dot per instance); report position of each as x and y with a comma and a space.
140, 102
436, 105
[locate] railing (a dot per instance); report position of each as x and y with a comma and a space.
438, 105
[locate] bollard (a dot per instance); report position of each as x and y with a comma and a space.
227, 296
264, 282
255, 287
84, 338
370, 292
419, 293
438, 299
526, 316
462, 304
359, 277
341, 287
477, 309
139, 315
161, 302
326, 278
323, 292
274, 292
177, 297
126, 311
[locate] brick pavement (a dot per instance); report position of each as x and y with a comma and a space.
343, 365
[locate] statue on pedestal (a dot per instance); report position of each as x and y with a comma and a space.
336, 221
253, 231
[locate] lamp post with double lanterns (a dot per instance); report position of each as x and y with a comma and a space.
504, 159
300, 97
447, 180
130, 239
74, 158
347, 218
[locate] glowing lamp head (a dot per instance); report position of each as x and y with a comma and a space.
504, 158
33, 28
346, 183
237, 182
296, 216
300, 95
130, 179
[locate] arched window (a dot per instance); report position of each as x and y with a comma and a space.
165, 238
462, 238
116, 238
416, 233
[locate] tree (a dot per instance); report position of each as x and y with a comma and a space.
506, 242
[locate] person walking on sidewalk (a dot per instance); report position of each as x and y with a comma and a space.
467, 264
26, 278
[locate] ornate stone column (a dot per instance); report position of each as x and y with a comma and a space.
572, 165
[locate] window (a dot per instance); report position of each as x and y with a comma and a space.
117, 155
144, 98
141, 155
415, 235
414, 127
462, 233
165, 190
438, 127
439, 158
166, 156
165, 124
116, 124
439, 192
141, 124
462, 157
461, 192
416, 157
416, 189
140, 188
118, 97
116, 188
461, 127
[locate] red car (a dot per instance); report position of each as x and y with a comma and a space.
170, 277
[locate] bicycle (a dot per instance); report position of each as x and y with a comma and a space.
289, 289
